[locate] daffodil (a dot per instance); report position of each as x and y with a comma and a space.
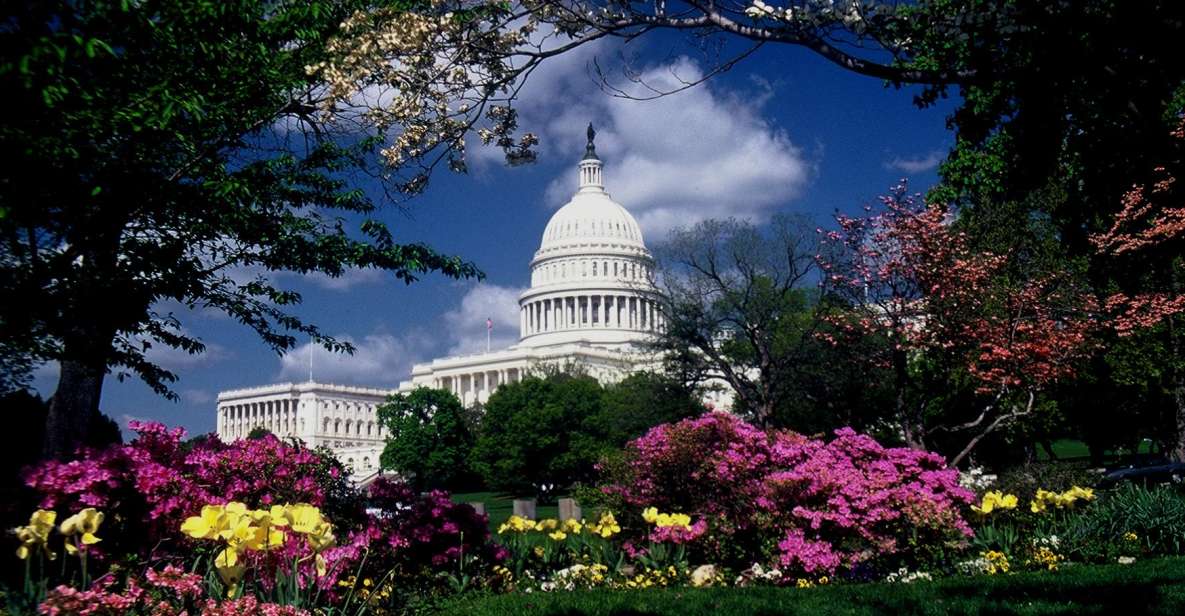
573, 526
558, 535
548, 524
650, 515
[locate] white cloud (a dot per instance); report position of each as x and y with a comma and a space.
349, 279
466, 324
917, 164
672, 161
379, 360
175, 359
197, 397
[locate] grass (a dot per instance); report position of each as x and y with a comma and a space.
1147, 587
1069, 449
500, 506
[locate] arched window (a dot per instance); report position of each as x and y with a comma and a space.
594, 269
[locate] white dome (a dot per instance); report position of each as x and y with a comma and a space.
591, 277
590, 220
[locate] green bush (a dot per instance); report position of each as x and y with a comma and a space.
1129, 520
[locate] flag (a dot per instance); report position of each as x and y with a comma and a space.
489, 324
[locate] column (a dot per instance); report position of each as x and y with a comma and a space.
522, 320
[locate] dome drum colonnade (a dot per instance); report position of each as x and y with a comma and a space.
591, 277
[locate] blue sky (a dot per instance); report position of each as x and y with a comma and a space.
784, 131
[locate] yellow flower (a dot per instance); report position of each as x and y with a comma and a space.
805, 583
85, 524
208, 525
304, 519
997, 562
516, 524
322, 537
538, 551
1130, 536
548, 524
607, 526
573, 526
232, 576
995, 500
36, 533
650, 515
558, 535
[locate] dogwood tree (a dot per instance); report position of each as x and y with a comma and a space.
911, 277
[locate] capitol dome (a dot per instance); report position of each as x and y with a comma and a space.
591, 279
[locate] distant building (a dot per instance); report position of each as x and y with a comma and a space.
591, 306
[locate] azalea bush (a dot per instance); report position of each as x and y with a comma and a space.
158, 480
256, 526
806, 506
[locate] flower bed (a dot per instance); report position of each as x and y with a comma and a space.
162, 525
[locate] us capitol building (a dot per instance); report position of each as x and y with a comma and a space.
590, 305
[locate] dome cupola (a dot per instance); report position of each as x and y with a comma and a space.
591, 277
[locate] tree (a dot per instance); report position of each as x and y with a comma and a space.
533, 433
738, 308
912, 278
639, 402
172, 153
430, 439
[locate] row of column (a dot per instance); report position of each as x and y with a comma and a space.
583, 311
473, 387
278, 416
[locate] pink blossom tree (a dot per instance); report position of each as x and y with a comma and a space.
909, 276
1148, 231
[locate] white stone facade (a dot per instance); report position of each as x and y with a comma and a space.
340, 417
590, 306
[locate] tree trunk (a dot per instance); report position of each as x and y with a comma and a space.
73, 407
1178, 450
911, 423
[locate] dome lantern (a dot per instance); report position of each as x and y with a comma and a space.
590, 166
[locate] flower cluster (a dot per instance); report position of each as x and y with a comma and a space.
995, 501
153, 481
826, 504
1045, 499
673, 527
35, 535
241, 529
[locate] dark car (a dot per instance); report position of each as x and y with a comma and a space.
1158, 471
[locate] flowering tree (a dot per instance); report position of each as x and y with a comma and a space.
1146, 233
911, 277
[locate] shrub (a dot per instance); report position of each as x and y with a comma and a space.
1127, 521
814, 506
150, 485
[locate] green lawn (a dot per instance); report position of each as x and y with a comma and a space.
1148, 587
1070, 448
501, 506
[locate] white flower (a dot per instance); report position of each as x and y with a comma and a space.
1126, 560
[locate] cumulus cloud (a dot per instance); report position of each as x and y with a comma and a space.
379, 360
466, 324
672, 161
917, 164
